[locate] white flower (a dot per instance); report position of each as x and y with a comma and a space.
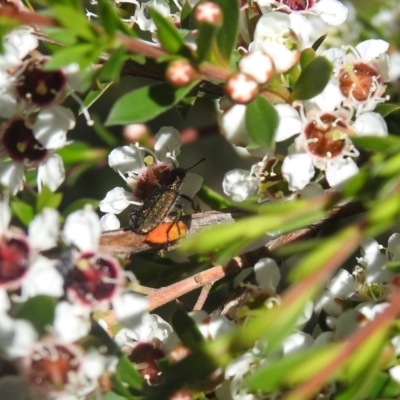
141, 16
274, 36
239, 185
268, 274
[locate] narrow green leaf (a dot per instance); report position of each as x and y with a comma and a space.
307, 56
63, 36
168, 35
146, 103
228, 35
93, 96
375, 143
46, 198
318, 42
113, 396
291, 369
205, 40
127, 373
78, 152
313, 79
386, 109
84, 54
74, 20
112, 67
186, 329
332, 249
38, 310
212, 198
24, 212
261, 121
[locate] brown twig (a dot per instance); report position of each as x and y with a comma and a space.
205, 291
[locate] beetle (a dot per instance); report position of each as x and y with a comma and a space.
160, 202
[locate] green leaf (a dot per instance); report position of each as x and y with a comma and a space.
386, 109
113, 396
318, 42
93, 96
213, 199
187, 330
146, 103
375, 143
291, 369
24, 212
128, 374
63, 36
73, 20
46, 198
227, 36
261, 121
205, 40
313, 79
168, 35
38, 310
84, 54
105, 135
112, 67
78, 152
306, 57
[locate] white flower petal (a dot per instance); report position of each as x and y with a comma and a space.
258, 65
168, 140
12, 176
16, 336
109, 222
268, 274
5, 216
43, 230
289, 122
51, 126
298, 170
297, 342
126, 159
5, 303
370, 124
43, 279
129, 309
372, 48
342, 285
116, 201
233, 125
337, 173
238, 185
82, 229
71, 322
191, 184
394, 373
51, 172
333, 12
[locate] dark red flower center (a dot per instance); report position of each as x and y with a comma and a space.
51, 366
93, 278
38, 86
20, 144
14, 259
146, 356
359, 81
326, 139
298, 5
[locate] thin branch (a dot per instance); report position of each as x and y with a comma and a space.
205, 291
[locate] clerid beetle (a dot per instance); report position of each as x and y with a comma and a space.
160, 202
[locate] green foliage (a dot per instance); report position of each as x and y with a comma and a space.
313, 79
46, 198
227, 37
38, 310
261, 121
146, 103
169, 36
186, 329
24, 212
